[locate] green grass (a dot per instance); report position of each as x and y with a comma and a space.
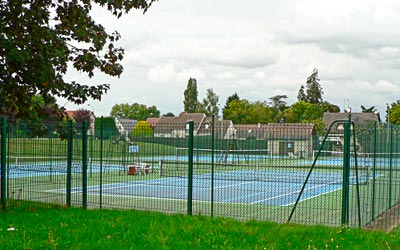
60, 228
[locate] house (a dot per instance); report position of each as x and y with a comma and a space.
290, 139
153, 121
250, 131
222, 128
82, 114
337, 120
177, 126
125, 126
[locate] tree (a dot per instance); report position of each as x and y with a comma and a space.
301, 95
237, 111
329, 107
229, 100
190, 101
313, 88
393, 113
134, 111
210, 103
82, 115
40, 40
244, 112
169, 114
303, 112
368, 110
142, 129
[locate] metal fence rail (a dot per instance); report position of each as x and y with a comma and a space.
246, 172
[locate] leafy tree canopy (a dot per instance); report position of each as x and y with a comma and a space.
301, 95
244, 112
329, 107
313, 88
134, 111
40, 40
368, 110
169, 114
230, 98
190, 101
142, 129
209, 106
393, 113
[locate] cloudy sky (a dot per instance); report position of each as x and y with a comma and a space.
256, 48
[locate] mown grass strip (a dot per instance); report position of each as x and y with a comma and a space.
62, 228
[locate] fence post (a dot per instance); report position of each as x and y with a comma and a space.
69, 162
374, 173
346, 173
84, 163
101, 160
3, 163
212, 165
190, 126
390, 164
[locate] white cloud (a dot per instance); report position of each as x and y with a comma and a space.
167, 73
259, 75
224, 75
257, 48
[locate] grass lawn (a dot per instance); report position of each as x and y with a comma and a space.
60, 228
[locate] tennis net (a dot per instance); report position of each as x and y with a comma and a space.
265, 174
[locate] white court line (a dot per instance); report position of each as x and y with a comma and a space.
296, 192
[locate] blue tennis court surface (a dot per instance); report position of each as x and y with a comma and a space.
267, 192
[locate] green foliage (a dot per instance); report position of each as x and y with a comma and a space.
74, 228
394, 113
244, 112
142, 129
301, 112
313, 88
134, 111
169, 114
328, 107
210, 104
190, 101
231, 98
40, 40
108, 123
301, 95
368, 110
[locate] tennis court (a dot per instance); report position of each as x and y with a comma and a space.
272, 188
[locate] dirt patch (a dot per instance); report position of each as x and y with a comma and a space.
387, 220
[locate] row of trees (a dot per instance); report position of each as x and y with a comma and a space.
309, 107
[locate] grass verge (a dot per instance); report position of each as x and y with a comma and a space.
74, 228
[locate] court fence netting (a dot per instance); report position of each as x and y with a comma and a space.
272, 172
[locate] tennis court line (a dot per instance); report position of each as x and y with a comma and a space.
297, 192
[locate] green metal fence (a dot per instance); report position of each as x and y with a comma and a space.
282, 172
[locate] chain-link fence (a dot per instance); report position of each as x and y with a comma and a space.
275, 172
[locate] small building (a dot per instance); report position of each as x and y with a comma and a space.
125, 126
153, 121
292, 139
286, 139
176, 126
336, 133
